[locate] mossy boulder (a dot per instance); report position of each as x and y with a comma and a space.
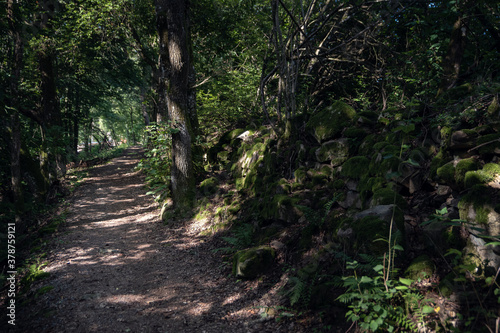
300, 175
387, 196
463, 139
489, 144
329, 122
281, 207
366, 146
462, 167
251, 263
209, 186
355, 133
421, 267
446, 173
488, 173
478, 208
336, 152
366, 232
368, 185
355, 167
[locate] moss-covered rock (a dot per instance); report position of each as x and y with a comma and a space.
421, 267
209, 186
300, 175
251, 263
335, 152
387, 196
329, 122
366, 146
368, 185
494, 108
463, 139
355, 167
384, 160
467, 164
355, 133
487, 174
490, 144
446, 173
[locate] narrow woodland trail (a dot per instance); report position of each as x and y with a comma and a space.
115, 267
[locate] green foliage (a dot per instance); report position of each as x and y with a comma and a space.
157, 161
33, 272
380, 303
241, 238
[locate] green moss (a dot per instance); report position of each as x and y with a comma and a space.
355, 167
467, 164
253, 262
366, 147
300, 175
386, 196
438, 161
484, 176
474, 178
491, 147
355, 133
481, 198
447, 173
494, 107
335, 152
383, 163
209, 186
330, 122
420, 267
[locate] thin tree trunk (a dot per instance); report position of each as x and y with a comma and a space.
15, 129
453, 59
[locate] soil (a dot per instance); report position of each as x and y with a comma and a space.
115, 267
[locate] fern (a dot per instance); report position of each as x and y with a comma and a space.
298, 289
242, 236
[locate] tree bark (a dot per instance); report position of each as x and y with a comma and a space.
51, 159
15, 130
175, 68
453, 59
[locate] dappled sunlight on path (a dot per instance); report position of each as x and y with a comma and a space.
116, 268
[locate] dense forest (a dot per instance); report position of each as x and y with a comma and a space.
349, 148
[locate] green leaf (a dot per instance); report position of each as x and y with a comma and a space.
404, 281
365, 279
426, 309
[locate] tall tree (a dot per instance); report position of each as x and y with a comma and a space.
176, 68
15, 130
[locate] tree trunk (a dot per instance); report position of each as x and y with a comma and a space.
15, 130
453, 59
51, 159
175, 67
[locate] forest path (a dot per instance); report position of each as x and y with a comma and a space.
115, 267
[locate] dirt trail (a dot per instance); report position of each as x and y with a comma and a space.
116, 268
